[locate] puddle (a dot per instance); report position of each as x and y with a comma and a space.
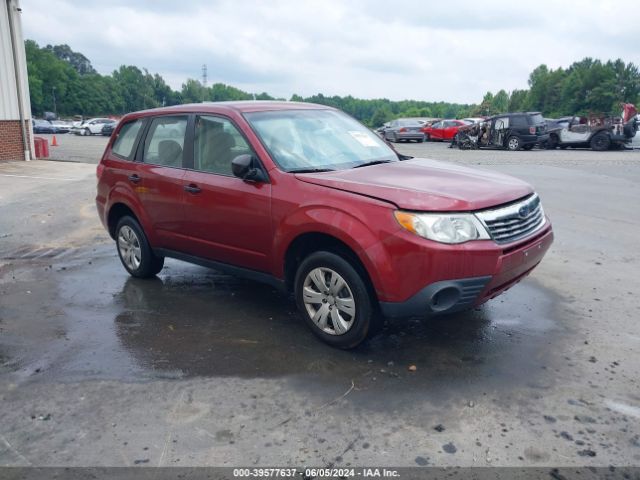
190, 322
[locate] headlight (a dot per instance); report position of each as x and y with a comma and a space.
445, 227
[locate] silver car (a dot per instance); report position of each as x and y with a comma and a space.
404, 129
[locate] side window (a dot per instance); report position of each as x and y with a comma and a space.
165, 141
437, 125
501, 123
123, 144
519, 121
216, 142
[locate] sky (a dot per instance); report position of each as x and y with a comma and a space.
421, 50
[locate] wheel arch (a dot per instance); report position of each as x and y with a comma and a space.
116, 212
313, 241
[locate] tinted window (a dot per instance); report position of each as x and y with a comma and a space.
165, 141
437, 125
519, 121
216, 142
535, 119
123, 144
450, 123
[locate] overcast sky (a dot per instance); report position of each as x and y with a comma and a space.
424, 50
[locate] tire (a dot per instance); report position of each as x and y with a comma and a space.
427, 137
552, 143
134, 251
513, 143
600, 142
420, 140
355, 320
86, 132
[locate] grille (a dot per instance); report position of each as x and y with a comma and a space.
514, 221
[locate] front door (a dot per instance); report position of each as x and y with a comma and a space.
226, 219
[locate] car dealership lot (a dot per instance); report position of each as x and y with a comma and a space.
199, 368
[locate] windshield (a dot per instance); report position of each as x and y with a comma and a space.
317, 139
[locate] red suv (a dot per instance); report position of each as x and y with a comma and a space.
307, 199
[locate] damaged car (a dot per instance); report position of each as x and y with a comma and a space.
598, 132
510, 131
310, 201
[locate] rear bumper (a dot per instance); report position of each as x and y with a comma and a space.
410, 136
450, 296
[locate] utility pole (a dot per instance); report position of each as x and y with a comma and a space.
53, 94
204, 81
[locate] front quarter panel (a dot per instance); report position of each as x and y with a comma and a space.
360, 222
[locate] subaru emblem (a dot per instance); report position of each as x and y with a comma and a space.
524, 211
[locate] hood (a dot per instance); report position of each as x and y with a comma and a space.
426, 185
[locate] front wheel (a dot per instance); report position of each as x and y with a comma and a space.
334, 300
134, 250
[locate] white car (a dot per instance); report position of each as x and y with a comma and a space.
93, 126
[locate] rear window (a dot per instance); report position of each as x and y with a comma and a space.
123, 145
409, 123
536, 119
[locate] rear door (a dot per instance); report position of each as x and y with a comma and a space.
436, 130
159, 177
449, 130
226, 219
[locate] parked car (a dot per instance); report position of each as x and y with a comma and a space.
471, 120
42, 126
404, 129
61, 126
307, 199
92, 126
598, 132
443, 130
512, 131
108, 128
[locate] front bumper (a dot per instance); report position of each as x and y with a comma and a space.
511, 265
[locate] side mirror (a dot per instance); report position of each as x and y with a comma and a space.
243, 166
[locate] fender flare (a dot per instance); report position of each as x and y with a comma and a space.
342, 226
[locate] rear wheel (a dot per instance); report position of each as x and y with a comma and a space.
600, 142
134, 250
513, 143
334, 300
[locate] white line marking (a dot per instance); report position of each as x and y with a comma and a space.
623, 408
39, 178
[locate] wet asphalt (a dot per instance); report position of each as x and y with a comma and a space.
199, 368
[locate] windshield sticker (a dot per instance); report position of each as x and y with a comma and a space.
364, 139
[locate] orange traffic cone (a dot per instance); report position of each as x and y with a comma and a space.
54, 142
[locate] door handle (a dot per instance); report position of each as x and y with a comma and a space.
192, 188
134, 178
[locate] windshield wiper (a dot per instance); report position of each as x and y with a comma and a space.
373, 162
311, 170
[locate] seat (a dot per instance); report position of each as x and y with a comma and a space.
216, 152
169, 153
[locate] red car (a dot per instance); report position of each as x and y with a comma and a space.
443, 129
307, 199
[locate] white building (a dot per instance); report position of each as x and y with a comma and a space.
16, 139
